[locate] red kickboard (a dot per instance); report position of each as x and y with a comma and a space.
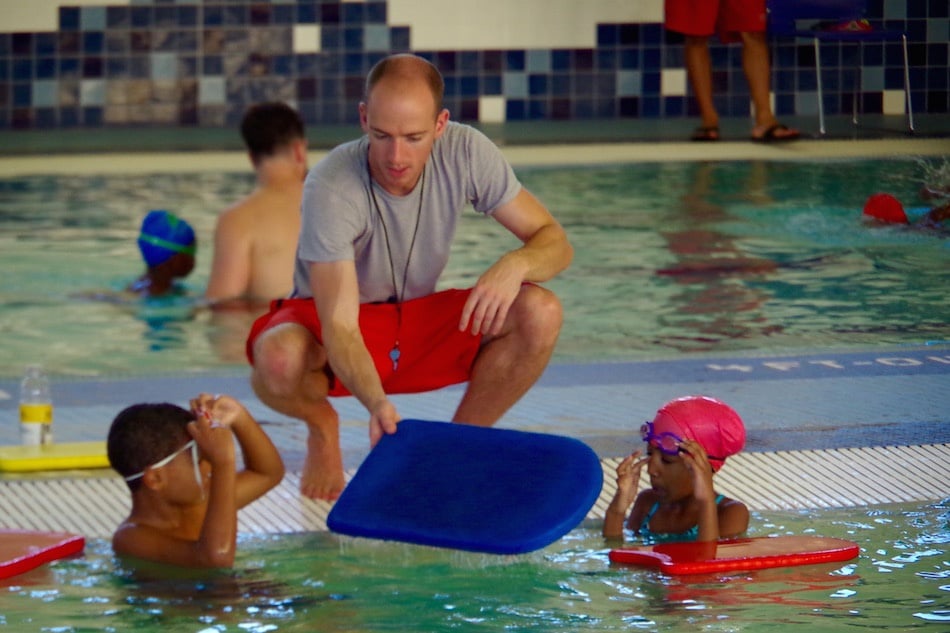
737, 554
22, 550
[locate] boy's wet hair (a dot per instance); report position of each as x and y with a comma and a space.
143, 434
267, 128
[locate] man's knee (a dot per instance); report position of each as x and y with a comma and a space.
280, 358
539, 314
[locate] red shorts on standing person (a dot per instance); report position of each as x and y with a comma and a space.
433, 353
726, 18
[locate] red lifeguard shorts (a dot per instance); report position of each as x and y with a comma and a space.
727, 18
433, 353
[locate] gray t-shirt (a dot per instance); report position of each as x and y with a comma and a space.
340, 219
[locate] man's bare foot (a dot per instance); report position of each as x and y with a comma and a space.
322, 476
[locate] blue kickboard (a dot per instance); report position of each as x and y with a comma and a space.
471, 488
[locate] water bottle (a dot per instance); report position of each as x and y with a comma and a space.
36, 407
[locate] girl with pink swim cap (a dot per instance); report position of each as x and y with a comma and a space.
687, 442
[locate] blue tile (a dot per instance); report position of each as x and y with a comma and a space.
937, 79
515, 110
537, 109
354, 13
651, 33
583, 84
515, 85
4, 44
873, 55
650, 107
92, 117
894, 9
674, 106
141, 17
259, 14
606, 60
22, 95
211, 15
186, 15
284, 14
355, 64
630, 59
469, 62
673, 57
376, 13
45, 93
515, 60
4, 71
537, 85
306, 13
916, 30
784, 81
236, 14
651, 83
118, 17
331, 38
45, 67
629, 35
92, 43
937, 55
353, 38
450, 88
784, 105
92, 18
561, 85
491, 85
69, 18
652, 59
629, 107
399, 38
306, 65
22, 69
44, 118
92, 67
117, 67
560, 60
894, 79
538, 61
938, 9
807, 79
330, 89
608, 35
283, 65
68, 67
605, 85
469, 86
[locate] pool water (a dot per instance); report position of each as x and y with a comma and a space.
671, 259
323, 582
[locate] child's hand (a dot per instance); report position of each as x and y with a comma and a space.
628, 475
215, 441
220, 410
696, 460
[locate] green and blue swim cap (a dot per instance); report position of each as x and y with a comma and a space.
163, 235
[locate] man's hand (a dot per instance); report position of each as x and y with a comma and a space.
383, 419
487, 307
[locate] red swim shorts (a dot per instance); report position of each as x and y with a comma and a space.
727, 18
433, 352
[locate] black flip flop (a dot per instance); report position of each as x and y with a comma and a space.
770, 135
705, 134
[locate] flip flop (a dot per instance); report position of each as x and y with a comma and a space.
710, 133
771, 135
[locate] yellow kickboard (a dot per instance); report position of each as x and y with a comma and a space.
61, 456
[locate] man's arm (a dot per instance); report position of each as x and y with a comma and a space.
545, 251
231, 262
336, 294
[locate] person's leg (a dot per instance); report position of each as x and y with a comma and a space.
755, 65
699, 71
509, 364
289, 376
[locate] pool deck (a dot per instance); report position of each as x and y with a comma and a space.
825, 428
833, 429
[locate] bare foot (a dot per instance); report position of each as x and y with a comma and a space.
322, 476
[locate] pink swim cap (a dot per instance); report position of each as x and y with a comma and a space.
886, 208
712, 423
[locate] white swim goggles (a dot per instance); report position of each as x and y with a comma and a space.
164, 462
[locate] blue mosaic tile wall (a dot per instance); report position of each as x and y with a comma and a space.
174, 63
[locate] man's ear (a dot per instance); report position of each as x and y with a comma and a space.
441, 121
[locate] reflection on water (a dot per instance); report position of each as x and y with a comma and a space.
670, 258
307, 582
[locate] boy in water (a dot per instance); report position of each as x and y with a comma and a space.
180, 468
687, 442
168, 247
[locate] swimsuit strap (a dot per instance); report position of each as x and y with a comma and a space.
690, 534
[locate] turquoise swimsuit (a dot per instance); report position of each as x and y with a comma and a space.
689, 535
